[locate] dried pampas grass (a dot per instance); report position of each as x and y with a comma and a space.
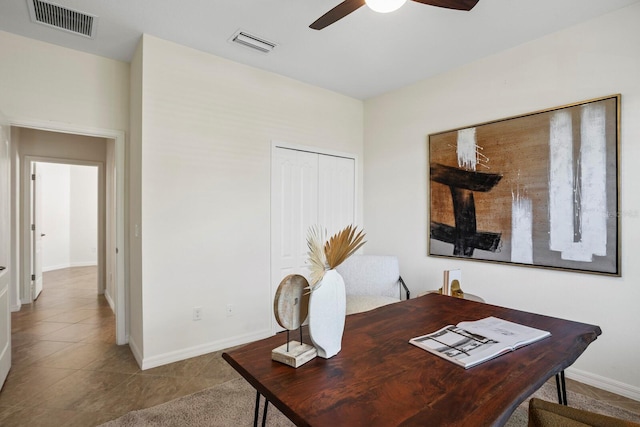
317, 258
342, 245
329, 255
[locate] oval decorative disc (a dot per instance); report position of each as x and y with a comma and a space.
291, 303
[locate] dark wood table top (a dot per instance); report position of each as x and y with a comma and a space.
379, 379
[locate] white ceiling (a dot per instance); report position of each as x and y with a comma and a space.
362, 55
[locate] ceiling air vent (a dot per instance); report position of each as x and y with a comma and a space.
62, 18
254, 42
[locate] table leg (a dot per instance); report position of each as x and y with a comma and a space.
264, 414
257, 411
562, 388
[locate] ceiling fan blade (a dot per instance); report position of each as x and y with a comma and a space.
337, 13
451, 4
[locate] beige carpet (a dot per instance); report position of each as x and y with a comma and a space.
232, 404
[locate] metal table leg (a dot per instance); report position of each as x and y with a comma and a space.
257, 410
562, 388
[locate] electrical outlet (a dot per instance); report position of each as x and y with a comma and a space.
197, 313
229, 310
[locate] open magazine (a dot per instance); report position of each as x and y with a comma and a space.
470, 343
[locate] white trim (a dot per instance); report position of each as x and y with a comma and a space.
604, 383
199, 350
55, 267
135, 350
83, 264
119, 137
312, 149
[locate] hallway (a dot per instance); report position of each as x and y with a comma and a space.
67, 370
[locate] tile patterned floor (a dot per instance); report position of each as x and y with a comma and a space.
67, 371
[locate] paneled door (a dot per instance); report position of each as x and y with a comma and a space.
5, 202
307, 189
336, 193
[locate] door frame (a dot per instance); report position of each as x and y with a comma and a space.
27, 294
120, 299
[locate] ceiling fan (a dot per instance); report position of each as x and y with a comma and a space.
348, 6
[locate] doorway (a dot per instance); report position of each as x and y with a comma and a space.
64, 212
112, 208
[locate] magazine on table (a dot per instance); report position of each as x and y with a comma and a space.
471, 343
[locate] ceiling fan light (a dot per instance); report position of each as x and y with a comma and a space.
384, 6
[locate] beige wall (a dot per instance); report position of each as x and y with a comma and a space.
207, 128
41, 81
49, 87
594, 59
133, 214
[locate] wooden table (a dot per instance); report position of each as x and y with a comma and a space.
379, 379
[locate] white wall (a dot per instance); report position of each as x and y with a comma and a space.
45, 82
83, 213
207, 128
69, 215
594, 59
57, 87
55, 181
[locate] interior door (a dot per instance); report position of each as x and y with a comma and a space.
36, 231
294, 208
306, 189
5, 315
336, 192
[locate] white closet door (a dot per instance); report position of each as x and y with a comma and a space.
336, 193
294, 208
306, 189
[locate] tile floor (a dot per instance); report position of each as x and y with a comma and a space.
67, 371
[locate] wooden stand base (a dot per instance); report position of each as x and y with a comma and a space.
298, 354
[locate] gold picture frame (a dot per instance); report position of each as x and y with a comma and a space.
539, 189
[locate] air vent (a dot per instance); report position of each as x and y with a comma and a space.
254, 42
52, 15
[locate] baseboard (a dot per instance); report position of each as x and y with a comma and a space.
603, 383
199, 350
84, 264
112, 304
69, 265
136, 351
54, 267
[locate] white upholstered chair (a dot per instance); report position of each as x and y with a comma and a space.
371, 281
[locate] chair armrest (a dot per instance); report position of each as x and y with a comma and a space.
404, 286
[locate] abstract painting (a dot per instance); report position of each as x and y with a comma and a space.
537, 190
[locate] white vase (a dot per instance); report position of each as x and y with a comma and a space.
327, 311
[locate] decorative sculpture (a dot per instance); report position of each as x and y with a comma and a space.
291, 307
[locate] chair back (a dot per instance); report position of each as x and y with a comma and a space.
371, 275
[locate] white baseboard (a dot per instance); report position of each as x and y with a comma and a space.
603, 383
136, 351
46, 268
69, 265
112, 304
199, 350
84, 264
